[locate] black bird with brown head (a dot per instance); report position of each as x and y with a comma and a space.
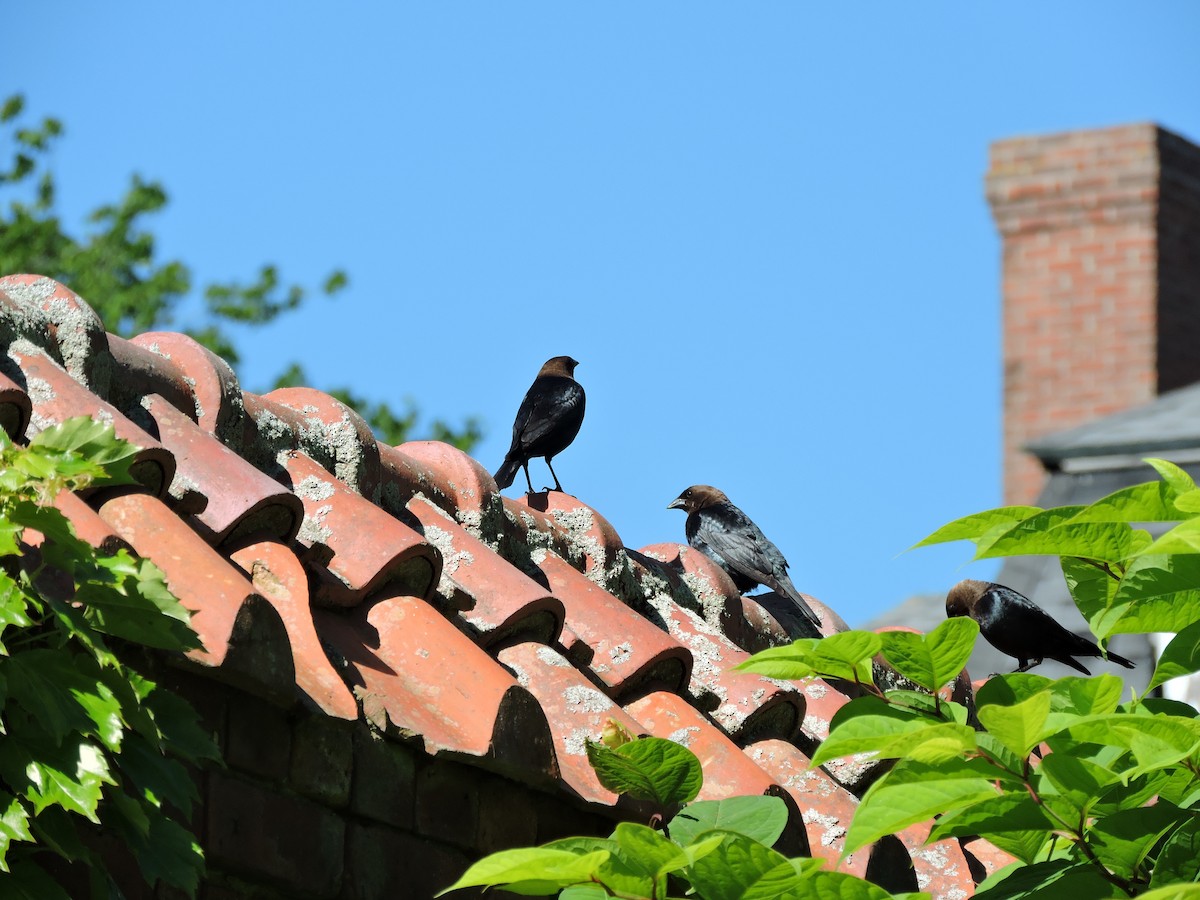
1018, 627
547, 421
728, 537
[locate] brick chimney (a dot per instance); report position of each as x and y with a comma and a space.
1101, 279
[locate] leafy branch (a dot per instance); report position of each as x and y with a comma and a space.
90, 744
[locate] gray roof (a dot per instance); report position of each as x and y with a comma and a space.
1170, 422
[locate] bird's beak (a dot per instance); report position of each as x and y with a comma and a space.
677, 503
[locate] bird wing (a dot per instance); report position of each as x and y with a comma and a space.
739, 542
1016, 625
551, 399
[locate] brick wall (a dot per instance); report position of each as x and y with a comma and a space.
1101, 278
310, 807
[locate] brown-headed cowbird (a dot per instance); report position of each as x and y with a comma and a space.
547, 422
1014, 624
728, 537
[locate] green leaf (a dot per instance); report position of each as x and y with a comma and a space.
1024, 845
91, 440
1183, 538
170, 853
1149, 502
1179, 859
1094, 592
931, 660
1020, 727
845, 655
1054, 532
584, 892
646, 850
1173, 892
1157, 593
794, 880
1012, 688
1179, 480
649, 768
46, 684
914, 792
29, 881
532, 870
977, 525
733, 868
14, 605
155, 776
58, 830
617, 871
869, 725
1155, 741
1079, 781
1052, 880
1180, 657
760, 818
999, 814
179, 725
1097, 695
14, 825
75, 791
1122, 840
928, 705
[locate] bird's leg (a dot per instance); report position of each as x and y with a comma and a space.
557, 486
1026, 665
525, 466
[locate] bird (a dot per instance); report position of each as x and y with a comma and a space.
1018, 627
547, 420
729, 537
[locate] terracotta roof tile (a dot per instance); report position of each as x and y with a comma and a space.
727, 771
367, 548
583, 527
396, 585
825, 807
277, 574
417, 676
244, 638
215, 398
941, 867
504, 602
627, 653
235, 499
576, 709
56, 397
88, 525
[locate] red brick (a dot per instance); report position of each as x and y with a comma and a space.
1089, 281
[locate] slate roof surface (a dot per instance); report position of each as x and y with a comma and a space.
1169, 422
396, 584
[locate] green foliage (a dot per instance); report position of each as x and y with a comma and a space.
88, 743
711, 849
1094, 796
115, 266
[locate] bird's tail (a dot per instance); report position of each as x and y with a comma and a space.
1121, 661
507, 472
785, 587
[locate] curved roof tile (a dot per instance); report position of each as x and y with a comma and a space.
396, 584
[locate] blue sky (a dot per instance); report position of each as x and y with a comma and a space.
759, 227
